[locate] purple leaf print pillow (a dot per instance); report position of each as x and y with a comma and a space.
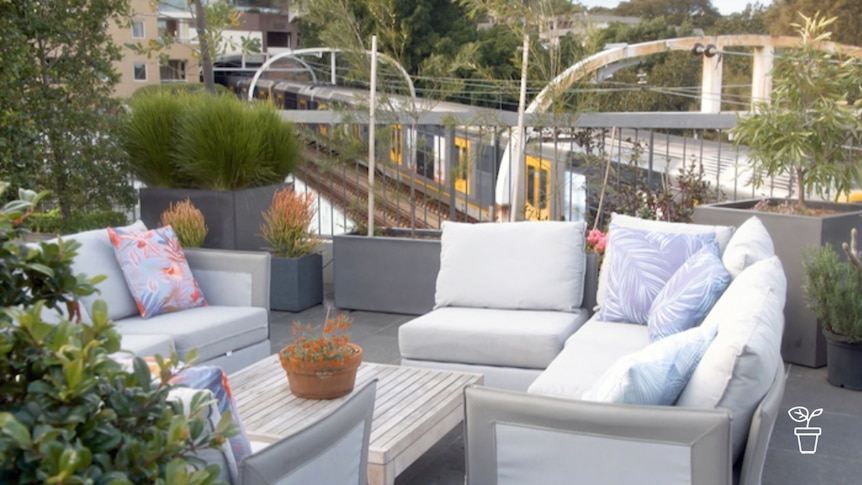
156, 271
646, 262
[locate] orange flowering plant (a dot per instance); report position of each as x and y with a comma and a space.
330, 345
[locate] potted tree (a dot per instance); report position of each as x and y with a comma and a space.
833, 290
227, 156
296, 278
802, 132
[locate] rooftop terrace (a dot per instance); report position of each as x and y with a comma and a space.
836, 460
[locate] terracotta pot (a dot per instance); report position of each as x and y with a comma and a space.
322, 380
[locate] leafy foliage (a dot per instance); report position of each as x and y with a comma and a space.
198, 141
187, 222
832, 290
287, 222
57, 115
805, 129
52, 222
847, 29
68, 412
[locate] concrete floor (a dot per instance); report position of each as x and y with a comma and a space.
839, 453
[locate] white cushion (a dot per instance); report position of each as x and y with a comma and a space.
96, 257
588, 354
511, 338
656, 374
738, 368
750, 243
519, 265
722, 236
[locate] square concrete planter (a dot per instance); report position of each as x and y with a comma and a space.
803, 341
296, 283
232, 216
386, 274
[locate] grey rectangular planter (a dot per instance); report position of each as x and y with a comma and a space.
803, 341
232, 216
296, 283
386, 274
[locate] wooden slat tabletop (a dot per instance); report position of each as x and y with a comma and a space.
411, 403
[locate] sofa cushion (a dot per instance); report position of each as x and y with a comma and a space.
521, 265
147, 345
588, 353
212, 330
689, 295
738, 368
722, 236
96, 257
156, 270
651, 258
750, 243
511, 338
656, 374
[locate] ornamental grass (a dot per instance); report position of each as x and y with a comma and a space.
286, 224
187, 222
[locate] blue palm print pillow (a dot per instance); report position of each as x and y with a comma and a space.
646, 262
689, 295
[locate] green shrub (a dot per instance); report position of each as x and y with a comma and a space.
69, 414
199, 141
833, 290
176, 88
53, 223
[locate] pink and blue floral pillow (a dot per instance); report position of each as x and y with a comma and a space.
156, 271
647, 261
689, 295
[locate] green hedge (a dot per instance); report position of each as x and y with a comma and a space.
177, 88
53, 223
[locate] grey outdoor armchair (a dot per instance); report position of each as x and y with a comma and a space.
332, 450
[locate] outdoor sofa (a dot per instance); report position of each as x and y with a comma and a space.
509, 304
231, 331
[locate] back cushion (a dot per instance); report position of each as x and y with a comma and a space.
96, 257
738, 368
750, 243
722, 236
518, 265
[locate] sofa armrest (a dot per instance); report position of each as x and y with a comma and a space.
529, 438
231, 278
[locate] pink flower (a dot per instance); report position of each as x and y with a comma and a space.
597, 241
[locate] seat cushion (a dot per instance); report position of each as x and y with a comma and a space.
738, 368
518, 266
722, 236
147, 345
750, 243
588, 354
510, 338
212, 330
96, 257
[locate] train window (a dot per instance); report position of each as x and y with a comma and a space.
531, 185
543, 189
303, 104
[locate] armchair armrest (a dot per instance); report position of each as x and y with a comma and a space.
231, 278
527, 438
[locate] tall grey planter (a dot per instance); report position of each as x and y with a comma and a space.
232, 216
386, 274
803, 341
296, 283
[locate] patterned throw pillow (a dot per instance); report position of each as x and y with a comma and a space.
689, 295
645, 263
656, 374
156, 270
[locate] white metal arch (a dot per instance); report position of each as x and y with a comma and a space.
764, 46
321, 50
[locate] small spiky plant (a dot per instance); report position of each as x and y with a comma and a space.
286, 224
187, 222
833, 288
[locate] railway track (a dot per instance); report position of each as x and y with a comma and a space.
346, 186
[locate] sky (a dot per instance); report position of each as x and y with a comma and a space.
724, 6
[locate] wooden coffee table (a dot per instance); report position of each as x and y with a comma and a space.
414, 408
